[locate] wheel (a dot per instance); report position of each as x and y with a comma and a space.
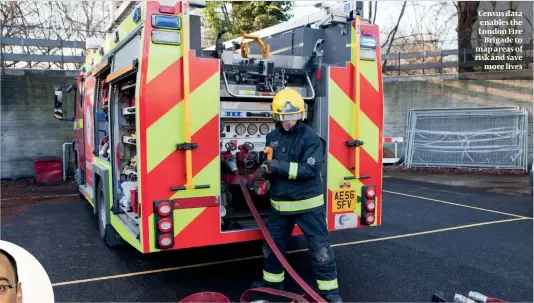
109, 236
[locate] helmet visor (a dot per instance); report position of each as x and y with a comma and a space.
287, 117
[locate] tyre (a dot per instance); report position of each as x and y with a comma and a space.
109, 236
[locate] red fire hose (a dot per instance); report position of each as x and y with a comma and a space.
309, 291
311, 295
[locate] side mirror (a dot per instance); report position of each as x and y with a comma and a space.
58, 103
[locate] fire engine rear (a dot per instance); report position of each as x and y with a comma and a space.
157, 115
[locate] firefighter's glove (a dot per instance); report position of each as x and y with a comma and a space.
230, 162
263, 170
273, 166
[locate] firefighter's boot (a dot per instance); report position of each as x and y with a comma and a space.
333, 298
261, 283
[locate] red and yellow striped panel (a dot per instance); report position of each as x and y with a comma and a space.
342, 125
87, 114
162, 127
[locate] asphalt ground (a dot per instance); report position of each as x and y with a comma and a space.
433, 238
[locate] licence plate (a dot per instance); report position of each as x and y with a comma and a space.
343, 200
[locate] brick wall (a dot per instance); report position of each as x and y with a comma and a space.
28, 128
444, 91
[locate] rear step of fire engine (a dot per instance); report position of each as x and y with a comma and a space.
130, 219
310, 296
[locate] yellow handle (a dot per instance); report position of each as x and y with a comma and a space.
357, 93
185, 37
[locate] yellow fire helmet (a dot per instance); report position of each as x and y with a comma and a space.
288, 104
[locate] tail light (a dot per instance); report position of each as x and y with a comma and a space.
370, 205
165, 241
163, 220
370, 193
369, 218
164, 208
165, 225
368, 215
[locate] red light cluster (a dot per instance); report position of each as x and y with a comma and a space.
164, 223
369, 200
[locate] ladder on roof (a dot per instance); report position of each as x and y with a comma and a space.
330, 12
119, 11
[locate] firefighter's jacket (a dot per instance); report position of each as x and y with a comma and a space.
298, 185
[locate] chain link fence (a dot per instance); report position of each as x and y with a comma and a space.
494, 137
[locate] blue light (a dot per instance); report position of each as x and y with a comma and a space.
233, 114
136, 16
170, 22
368, 42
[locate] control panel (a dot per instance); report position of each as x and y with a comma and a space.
245, 122
239, 132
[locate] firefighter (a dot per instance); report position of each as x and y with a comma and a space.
296, 194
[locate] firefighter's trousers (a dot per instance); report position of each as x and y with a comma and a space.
313, 225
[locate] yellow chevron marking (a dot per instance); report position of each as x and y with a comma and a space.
152, 234
125, 234
182, 218
205, 103
339, 171
369, 70
161, 57
369, 135
336, 172
208, 175
161, 141
126, 27
342, 109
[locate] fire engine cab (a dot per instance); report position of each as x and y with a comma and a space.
155, 116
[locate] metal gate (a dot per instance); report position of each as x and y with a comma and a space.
493, 137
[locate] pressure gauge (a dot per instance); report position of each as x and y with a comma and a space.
264, 129
240, 129
252, 129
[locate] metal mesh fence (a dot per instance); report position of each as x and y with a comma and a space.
467, 137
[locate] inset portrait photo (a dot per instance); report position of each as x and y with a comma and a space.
22, 277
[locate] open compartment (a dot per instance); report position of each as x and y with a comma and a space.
245, 140
125, 158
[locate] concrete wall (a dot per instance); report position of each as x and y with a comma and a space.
27, 127
447, 91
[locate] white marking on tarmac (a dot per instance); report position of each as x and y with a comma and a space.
457, 204
39, 197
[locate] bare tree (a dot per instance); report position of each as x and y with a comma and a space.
55, 20
467, 16
391, 37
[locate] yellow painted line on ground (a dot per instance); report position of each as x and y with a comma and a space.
457, 204
147, 272
40, 197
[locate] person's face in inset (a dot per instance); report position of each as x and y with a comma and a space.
7, 277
